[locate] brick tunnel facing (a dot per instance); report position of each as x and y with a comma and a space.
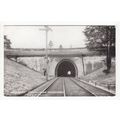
66, 69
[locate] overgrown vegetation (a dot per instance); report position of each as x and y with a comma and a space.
7, 42
102, 39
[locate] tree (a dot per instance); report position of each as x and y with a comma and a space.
50, 44
60, 47
7, 42
102, 39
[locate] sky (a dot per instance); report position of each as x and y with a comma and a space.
33, 37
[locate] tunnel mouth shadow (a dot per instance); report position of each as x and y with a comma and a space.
66, 68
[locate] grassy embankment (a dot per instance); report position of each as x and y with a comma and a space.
98, 77
19, 79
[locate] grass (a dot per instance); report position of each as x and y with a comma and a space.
18, 79
98, 77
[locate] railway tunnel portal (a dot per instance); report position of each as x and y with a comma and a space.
66, 68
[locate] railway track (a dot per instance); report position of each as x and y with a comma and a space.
93, 89
87, 92
64, 86
74, 89
55, 89
40, 89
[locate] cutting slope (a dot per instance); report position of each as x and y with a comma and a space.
18, 79
100, 78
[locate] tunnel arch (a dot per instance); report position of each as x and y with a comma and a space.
64, 67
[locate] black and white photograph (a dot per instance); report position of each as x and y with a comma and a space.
59, 60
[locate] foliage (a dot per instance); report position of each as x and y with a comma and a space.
7, 42
50, 44
99, 36
60, 47
102, 39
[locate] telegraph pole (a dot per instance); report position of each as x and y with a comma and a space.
46, 29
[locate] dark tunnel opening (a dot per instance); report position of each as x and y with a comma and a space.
66, 69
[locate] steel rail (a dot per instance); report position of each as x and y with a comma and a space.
45, 89
64, 91
96, 87
82, 87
